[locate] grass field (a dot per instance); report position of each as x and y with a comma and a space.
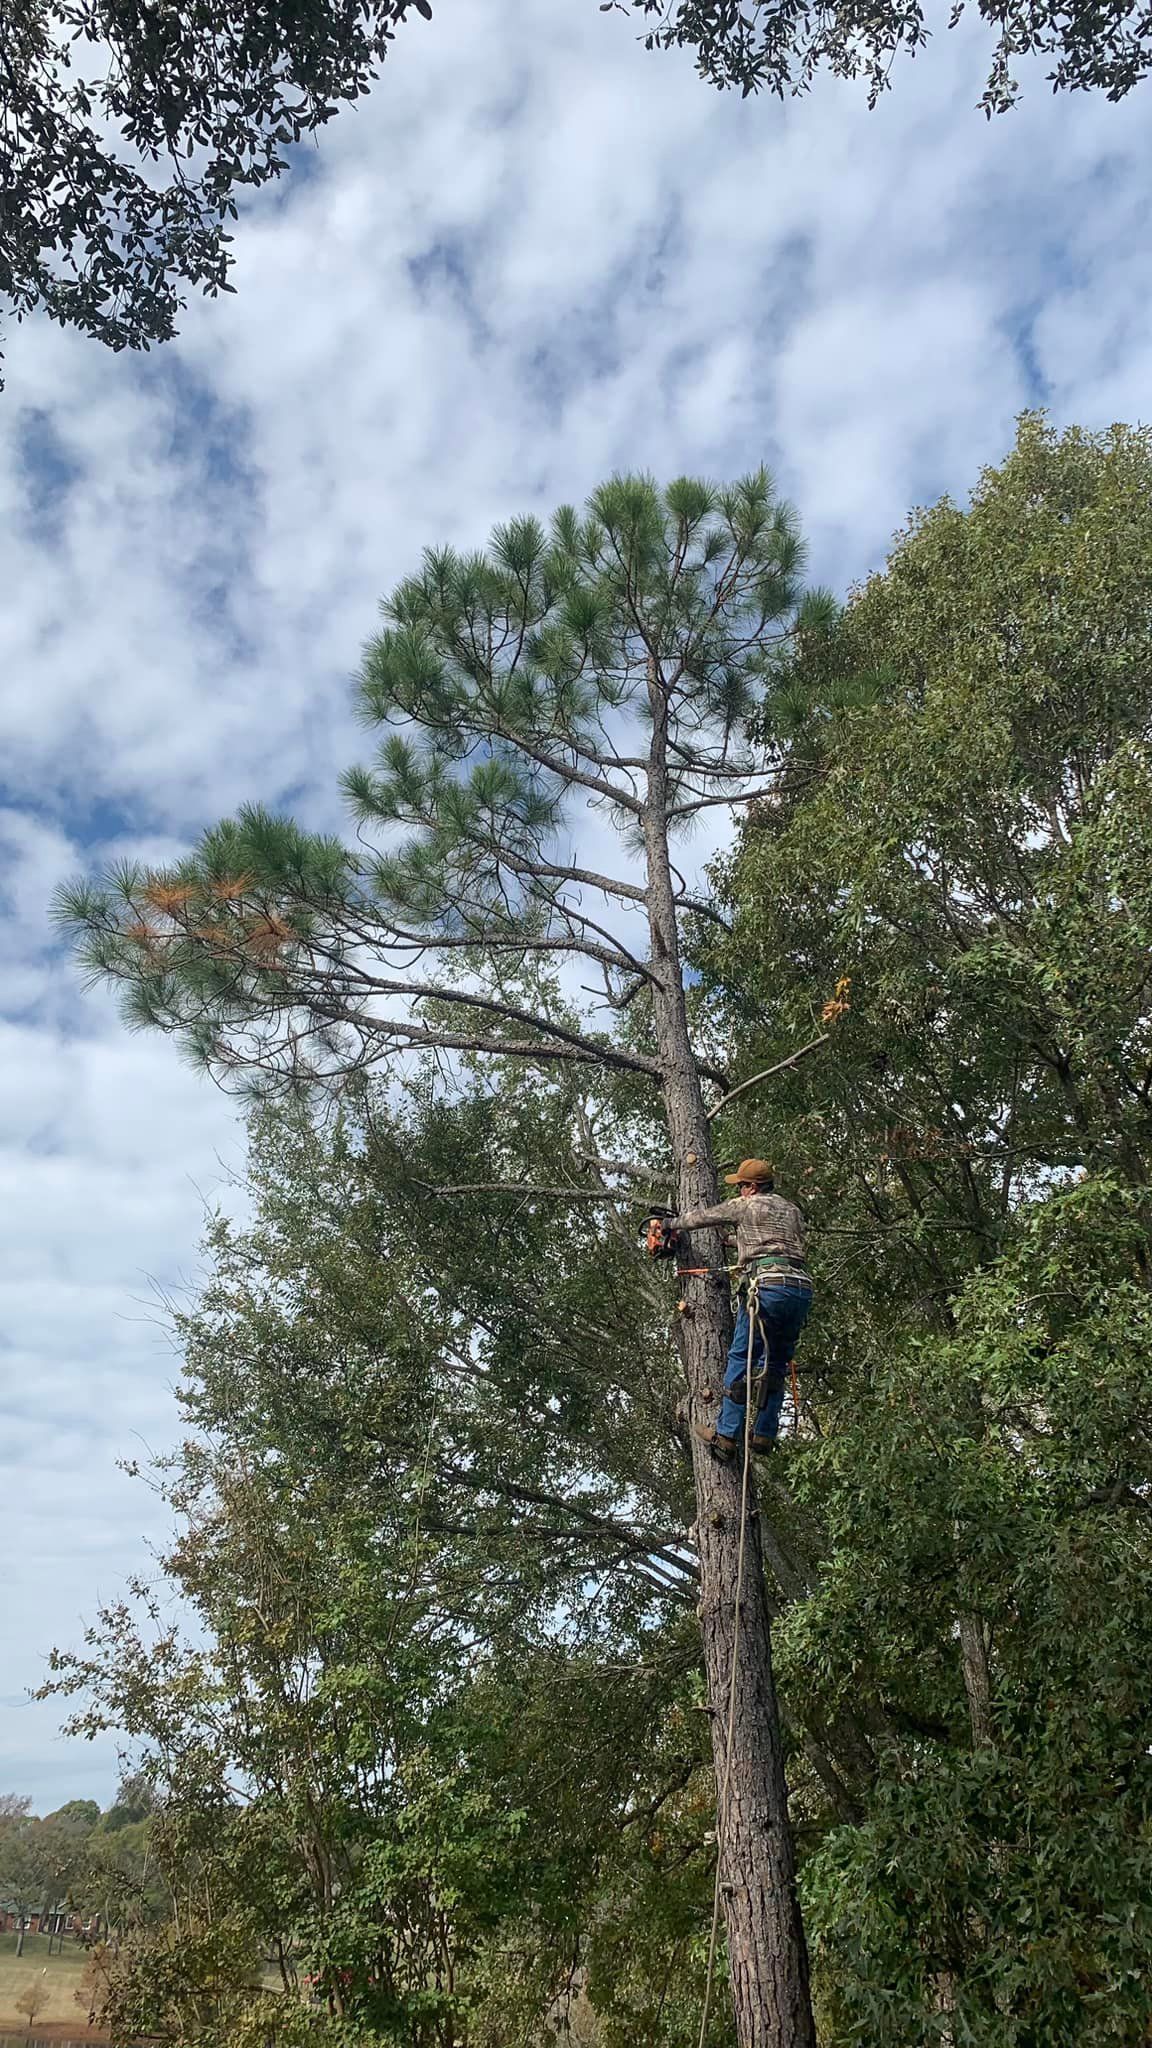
60, 1975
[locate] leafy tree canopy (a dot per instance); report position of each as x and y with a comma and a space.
436, 1504
439, 1756
778, 46
965, 835
130, 129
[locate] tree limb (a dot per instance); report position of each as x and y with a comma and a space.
646, 1542
703, 803
625, 1166
567, 771
792, 1060
512, 1187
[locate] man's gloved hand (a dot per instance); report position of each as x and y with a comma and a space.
661, 1241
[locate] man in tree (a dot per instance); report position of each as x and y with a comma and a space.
776, 1300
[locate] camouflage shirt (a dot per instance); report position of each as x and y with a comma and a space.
765, 1225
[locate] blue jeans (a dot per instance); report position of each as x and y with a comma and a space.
784, 1310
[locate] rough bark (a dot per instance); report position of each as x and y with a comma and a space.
767, 1956
977, 1679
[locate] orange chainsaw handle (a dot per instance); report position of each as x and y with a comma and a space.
654, 1242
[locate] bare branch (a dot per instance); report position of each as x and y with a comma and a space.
403, 1035
792, 1060
700, 908
513, 1187
626, 1166
703, 803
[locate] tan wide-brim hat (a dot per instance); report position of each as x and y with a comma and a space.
749, 1169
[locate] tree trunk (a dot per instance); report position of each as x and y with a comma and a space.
767, 1957
977, 1682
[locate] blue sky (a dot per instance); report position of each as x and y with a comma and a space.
536, 254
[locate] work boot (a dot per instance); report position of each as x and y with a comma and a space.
763, 1444
723, 1448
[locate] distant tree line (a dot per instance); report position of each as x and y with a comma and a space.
78, 1866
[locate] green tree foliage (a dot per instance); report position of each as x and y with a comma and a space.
22, 1870
613, 660
441, 1757
78, 1813
436, 1503
78, 1860
102, 99
508, 688
965, 835
772, 47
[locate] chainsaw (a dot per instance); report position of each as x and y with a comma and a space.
661, 1242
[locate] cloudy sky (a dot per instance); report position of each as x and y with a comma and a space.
535, 255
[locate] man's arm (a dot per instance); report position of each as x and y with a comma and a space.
720, 1212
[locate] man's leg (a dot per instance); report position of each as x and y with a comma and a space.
783, 1314
731, 1419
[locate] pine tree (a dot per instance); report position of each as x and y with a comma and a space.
613, 659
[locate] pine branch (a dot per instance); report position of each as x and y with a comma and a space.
489, 940
626, 1166
567, 1044
699, 908
566, 771
403, 1036
518, 863
578, 920
629, 892
381, 1036
719, 770
587, 1049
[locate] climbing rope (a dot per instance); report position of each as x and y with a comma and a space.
722, 1803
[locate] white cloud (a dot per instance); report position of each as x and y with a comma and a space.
536, 254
